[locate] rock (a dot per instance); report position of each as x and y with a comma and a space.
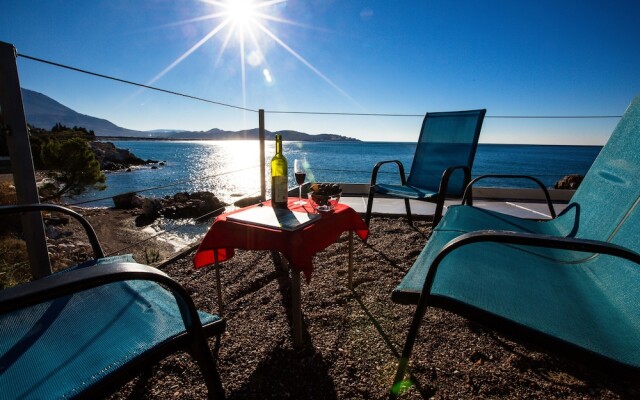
247, 201
49, 220
151, 208
127, 201
143, 220
55, 233
181, 197
52, 232
137, 201
180, 205
569, 182
112, 158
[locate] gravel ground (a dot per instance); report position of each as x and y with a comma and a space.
352, 338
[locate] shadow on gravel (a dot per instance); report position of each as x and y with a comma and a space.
425, 393
277, 376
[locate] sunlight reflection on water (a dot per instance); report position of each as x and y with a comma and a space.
228, 169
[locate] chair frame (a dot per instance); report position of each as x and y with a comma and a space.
443, 188
467, 197
193, 339
513, 238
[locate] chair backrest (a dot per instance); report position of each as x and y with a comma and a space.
608, 197
447, 139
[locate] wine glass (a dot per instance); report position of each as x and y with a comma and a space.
300, 173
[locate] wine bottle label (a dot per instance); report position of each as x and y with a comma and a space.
280, 192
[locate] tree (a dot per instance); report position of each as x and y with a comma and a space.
73, 166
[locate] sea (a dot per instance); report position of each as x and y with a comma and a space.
230, 169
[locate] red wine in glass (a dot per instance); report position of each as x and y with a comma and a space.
301, 173
300, 177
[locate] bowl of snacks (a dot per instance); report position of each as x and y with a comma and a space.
324, 196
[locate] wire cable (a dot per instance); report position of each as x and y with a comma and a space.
422, 115
84, 71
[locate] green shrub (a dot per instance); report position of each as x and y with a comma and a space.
73, 166
14, 264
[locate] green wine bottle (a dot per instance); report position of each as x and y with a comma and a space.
279, 177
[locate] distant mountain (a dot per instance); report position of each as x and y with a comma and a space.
164, 131
44, 112
218, 134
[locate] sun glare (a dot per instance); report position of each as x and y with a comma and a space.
241, 12
248, 22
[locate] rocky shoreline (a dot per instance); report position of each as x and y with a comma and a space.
112, 158
180, 205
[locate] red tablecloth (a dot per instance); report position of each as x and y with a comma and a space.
297, 246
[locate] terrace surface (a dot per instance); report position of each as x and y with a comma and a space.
352, 338
523, 203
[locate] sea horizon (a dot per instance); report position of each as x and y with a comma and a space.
229, 168
133, 139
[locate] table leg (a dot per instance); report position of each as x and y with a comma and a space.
350, 260
218, 283
296, 309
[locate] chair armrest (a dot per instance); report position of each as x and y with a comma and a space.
93, 238
374, 173
70, 282
526, 239
446, 175
467, 198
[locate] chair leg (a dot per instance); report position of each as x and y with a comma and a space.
408, 208
367, 217
203, 357
218, 284
403, 363
437, 216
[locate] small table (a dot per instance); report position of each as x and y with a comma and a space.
298, 246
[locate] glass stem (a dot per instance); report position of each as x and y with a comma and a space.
299, 193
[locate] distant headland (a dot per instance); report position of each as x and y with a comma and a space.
44, 112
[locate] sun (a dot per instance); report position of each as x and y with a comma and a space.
241, 12
248, 22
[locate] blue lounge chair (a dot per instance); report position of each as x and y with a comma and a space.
441, 165
572, 282
83, 332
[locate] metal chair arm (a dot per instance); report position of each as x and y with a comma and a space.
446, 175
74, 281
374, 173
467, 198
529, 239
93, 238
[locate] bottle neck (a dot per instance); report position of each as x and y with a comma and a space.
278, 145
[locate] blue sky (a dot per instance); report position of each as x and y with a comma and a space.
514, 58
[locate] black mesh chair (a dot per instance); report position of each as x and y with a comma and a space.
441, 165
84, 331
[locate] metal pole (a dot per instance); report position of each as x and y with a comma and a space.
296, 307
24, 178
263, 188
218, 283
350, 275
